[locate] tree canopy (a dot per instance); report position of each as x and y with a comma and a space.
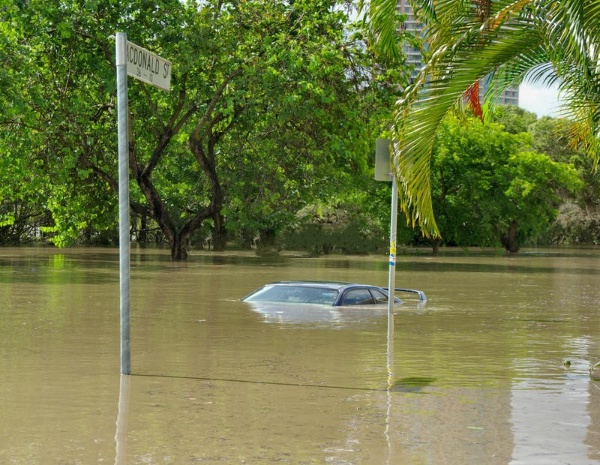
272, 104
490, 188
270, 124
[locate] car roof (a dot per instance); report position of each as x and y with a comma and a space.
337, 285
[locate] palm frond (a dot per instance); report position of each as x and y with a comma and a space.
574, 47
382, 15
530, 65
439, 87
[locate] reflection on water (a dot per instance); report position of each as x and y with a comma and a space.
551, 409
477, 375
122, 415
315, 315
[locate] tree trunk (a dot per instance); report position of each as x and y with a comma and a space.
178, 248
509, 241
435, 244
219, 238
143, 237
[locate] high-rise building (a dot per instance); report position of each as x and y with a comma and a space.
509, 96
413, 55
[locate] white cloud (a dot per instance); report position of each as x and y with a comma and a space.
540, 100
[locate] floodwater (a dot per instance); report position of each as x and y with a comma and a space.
493, 369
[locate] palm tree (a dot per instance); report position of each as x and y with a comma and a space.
547, 41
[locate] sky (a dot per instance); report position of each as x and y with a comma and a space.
541, 100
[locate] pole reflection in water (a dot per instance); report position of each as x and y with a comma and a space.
390, 385
122, 414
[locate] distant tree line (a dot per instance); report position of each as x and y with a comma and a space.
266, 139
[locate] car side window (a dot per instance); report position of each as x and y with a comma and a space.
358, 297
380, 297
320, 296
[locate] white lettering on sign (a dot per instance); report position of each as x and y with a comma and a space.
148, 67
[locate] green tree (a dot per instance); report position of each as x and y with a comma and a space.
579, 218
21, 180
551, 41
268, 101
515, 120
491, 189
313, 143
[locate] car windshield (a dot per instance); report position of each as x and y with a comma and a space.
295, 294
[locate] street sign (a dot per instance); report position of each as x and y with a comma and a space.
148, 67
383, 170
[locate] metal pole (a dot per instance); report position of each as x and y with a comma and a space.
392, 267
388, 424
122, 117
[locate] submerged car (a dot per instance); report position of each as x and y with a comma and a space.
330, 293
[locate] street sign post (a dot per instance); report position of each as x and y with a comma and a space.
383, 172
138, 62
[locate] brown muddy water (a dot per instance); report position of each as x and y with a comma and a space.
493, 369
